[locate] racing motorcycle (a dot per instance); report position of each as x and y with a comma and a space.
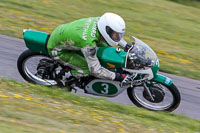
148, 90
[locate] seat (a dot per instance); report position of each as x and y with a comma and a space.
36, 41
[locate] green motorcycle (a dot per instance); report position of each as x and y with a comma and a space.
149, 89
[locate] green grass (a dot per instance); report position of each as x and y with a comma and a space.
34, 108
193, 3
171, 29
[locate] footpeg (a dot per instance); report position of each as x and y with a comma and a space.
72, 87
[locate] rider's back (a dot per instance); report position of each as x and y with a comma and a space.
79, 33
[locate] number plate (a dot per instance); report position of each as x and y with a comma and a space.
104, 87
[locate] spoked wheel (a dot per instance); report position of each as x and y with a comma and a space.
28, 68
165, 98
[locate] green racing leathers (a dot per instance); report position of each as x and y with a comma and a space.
68, 40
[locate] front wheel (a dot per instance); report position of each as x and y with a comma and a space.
166, 98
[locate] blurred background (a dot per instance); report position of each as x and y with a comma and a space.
170, 27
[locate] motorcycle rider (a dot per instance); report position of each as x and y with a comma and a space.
85, 35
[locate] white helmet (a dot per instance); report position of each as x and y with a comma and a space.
112, 28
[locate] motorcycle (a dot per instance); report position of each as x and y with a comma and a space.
148, 90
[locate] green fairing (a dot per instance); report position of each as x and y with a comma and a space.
155, 69
158, 77
162, 79
108, 55
36, 41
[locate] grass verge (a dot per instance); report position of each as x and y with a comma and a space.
36, 108
193, 3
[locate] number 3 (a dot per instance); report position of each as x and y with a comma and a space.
105, 89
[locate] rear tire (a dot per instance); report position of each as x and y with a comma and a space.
24, 71
173, 90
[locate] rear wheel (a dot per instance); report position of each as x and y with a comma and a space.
166, 98
27, 65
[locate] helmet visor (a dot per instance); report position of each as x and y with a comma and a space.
115, 36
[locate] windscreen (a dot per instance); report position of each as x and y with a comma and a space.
140, 54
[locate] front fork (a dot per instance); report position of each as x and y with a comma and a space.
146, 88
158, 79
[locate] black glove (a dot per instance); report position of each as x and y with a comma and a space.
127, 47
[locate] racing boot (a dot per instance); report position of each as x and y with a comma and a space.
65, 78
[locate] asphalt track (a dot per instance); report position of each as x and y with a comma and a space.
11, 48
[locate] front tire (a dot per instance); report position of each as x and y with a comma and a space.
174, 99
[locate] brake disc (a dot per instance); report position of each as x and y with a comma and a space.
157, 94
